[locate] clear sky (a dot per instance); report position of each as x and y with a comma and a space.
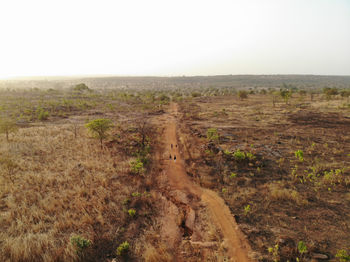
178, 37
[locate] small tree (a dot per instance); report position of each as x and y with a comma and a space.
345, 94
81, 87
330, 92
7, 126
274, 98
285, 94
99, 128
242, 94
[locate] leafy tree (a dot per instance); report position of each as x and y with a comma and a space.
99, 128
81, 87
7, 126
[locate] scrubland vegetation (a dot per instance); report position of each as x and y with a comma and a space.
63, 196
283, 168
77, 169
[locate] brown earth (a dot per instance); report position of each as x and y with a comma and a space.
290, 200
188, 208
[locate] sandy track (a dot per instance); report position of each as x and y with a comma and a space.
237, 246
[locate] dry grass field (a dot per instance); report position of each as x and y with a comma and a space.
281, 165
62, 197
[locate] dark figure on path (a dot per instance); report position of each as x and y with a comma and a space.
174, 158
170, 157
176, 145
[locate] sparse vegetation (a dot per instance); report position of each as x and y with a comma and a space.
299, 154
343, 255
274, 252
246, 210
239, 155
137, 166
213, 135
123, 249
61, 198
80, 243
242, 94
132, 212
295, 167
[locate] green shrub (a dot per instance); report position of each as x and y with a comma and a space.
246, 210
212, 134
136, 194
238, 155
250, 156
80, 243
132, 212
126, 201
42, 114
274, 252
302, 248
123, 249
227, 153
137, 166
343, 255
233, 175
300, 155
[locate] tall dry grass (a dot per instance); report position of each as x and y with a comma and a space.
59, 186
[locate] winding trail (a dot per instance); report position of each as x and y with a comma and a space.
237, 245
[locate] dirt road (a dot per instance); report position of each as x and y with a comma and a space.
236, 245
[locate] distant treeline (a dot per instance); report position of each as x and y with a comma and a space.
235, 81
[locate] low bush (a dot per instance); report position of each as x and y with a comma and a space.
137, 166
80, 243
123, 249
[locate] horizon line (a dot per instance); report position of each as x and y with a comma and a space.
80, 76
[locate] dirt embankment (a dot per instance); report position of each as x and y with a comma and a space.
192, 215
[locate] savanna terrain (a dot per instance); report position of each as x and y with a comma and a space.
262, 169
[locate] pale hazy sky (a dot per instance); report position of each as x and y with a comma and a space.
180, 37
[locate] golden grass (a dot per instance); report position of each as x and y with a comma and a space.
157, 254
61, 186
278, 192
